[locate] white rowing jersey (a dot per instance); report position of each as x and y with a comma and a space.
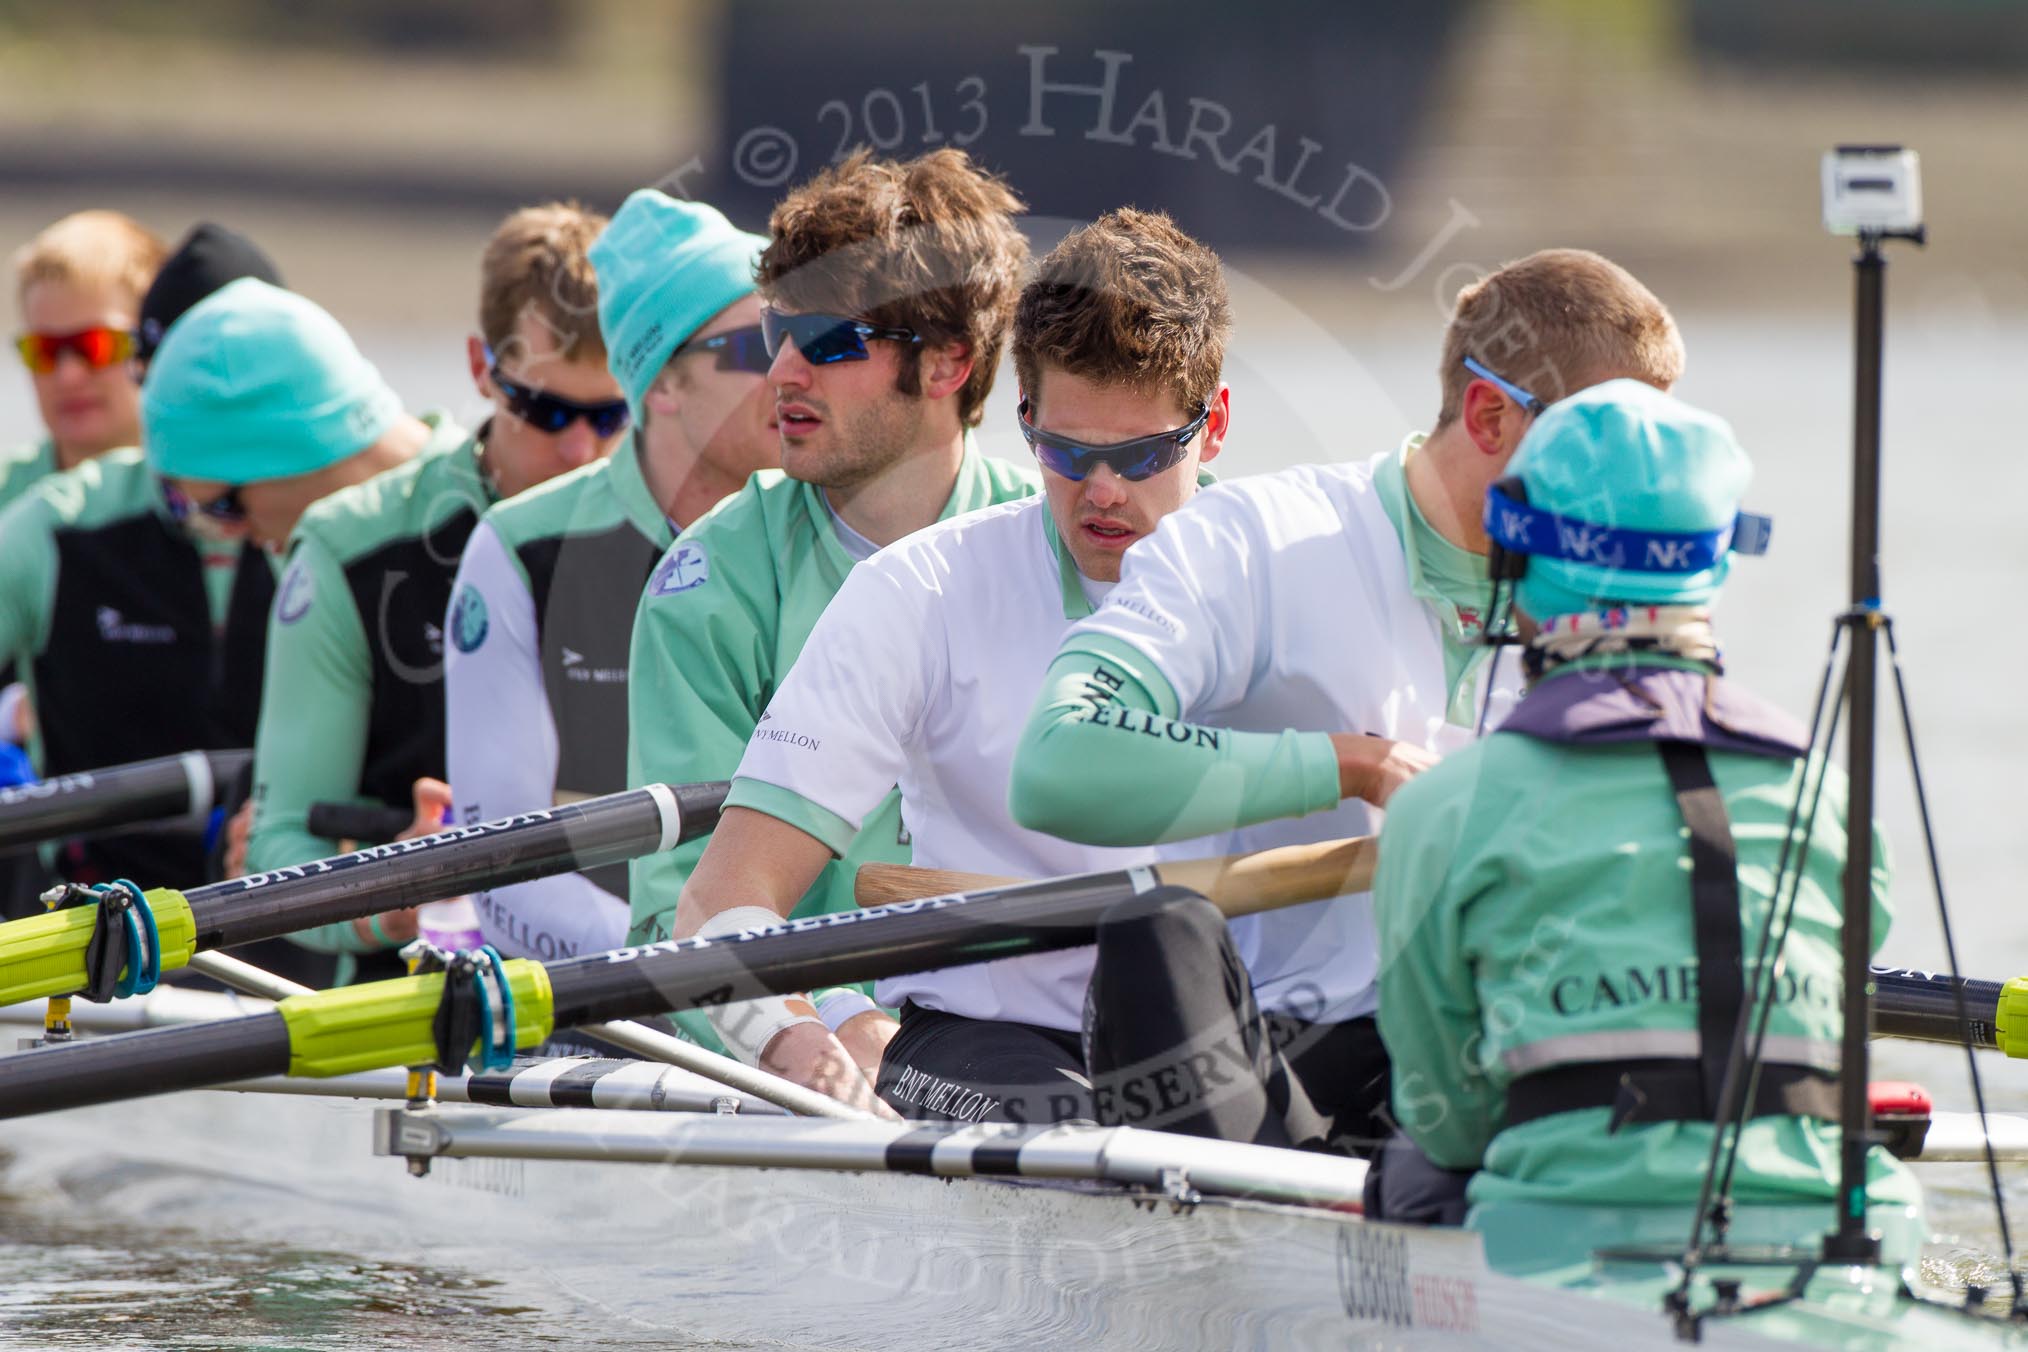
921, 673
1283, 601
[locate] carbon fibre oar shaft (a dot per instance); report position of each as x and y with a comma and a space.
826, 950
44, 955
606, 830
388, 1023
1921, 1007
93, 802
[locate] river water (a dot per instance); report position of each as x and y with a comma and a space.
1304, 391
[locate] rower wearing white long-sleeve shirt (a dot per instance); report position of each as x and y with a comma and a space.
920, 669
543, 609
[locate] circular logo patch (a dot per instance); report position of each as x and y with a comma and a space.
468, 619
685, 566
298, 590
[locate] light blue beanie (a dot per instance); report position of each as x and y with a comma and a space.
1624, 455
664, 269
255, 383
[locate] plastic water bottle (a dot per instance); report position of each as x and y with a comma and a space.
450, 925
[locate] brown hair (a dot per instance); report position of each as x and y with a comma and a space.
536, 261
1557, 322
91, 249
1127, 300
927, 244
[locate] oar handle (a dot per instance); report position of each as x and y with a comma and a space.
1290, 875
884, 884
1238, 884
93, 802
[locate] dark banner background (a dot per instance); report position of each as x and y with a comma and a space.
1277, 125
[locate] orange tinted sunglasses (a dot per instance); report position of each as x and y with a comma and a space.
96, 348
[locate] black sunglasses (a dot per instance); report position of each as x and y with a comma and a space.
1133, 460
823, 339
552, 413
737, 350
225, 508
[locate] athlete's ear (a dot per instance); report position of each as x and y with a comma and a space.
475, 357
1215, 426
945, 369
662, 397
1492, 420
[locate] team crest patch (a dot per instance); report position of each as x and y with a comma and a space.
298, 590
468, 619
685, 567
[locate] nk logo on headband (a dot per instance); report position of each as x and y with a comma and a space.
1521, 528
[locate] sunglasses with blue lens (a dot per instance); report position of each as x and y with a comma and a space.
823, 339
743, 350
1530, 403
1133, 460
552, 413
226, 508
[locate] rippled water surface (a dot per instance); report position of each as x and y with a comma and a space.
71, 1281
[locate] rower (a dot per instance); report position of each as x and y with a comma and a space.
1279, 658
207, 258
78, 286
127, 591
353, 710
1570, 907
886, 289
543, 609
920, 670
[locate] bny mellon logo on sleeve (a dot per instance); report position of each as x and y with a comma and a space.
575, 668
799, 740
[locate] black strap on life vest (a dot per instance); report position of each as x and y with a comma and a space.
1666, 1089
1714, 899
1682, 1089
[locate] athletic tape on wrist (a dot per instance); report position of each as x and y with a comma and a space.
747, 1026
837, 1006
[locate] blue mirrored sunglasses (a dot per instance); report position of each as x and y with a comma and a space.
1530, 403
1133, 460
551, 413
823, 339
225, 508
736, 349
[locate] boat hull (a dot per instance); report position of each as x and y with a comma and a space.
816, 1258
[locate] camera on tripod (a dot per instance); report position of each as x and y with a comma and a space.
1873, 191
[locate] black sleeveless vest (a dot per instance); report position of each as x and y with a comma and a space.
401, 592
133, 669
585, 589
